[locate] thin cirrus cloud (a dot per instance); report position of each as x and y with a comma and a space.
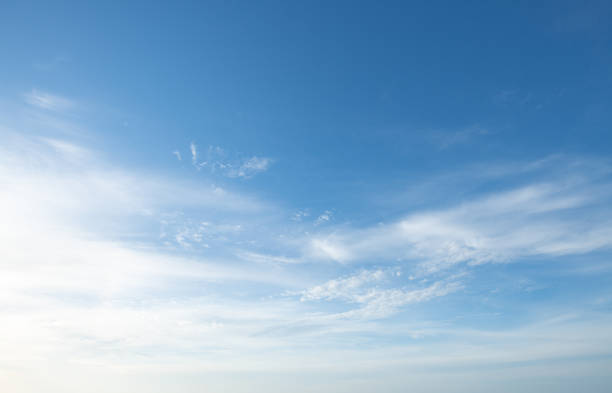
219, 161
194, 153
374, 293
544, 218
48, 101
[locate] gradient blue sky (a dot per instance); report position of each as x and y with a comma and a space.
306, 196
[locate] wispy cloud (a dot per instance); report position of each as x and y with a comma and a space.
194, 153
324, 217
383, 303
543, 218
266, 258
375, 301
48, 101
346, 288
190, 233
249, 167
68, 150
300, 215
219, 161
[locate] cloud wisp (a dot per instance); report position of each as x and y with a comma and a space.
538, 219
374, 300
48, 101
219, 161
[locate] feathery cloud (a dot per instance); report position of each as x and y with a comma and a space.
220, 161
194, 153
375, 301
542, 218
47, 101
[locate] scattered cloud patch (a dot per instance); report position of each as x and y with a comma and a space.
250, 167
346, 288
300, 215
324, 217
219, 161
206, 232
384, 303
374, 300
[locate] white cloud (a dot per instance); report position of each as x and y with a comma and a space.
383, 303
251, 167
69, 151
300, 215
219, 161
194, 153
266, 258
47, 101
189, 233
347, 288
330, 248
375, 301
545, 218
178, 155
323, 218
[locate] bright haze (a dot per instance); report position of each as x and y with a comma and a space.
305, 196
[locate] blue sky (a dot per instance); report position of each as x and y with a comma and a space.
308, 196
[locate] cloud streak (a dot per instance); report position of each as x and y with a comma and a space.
539, 219
374, 301
194, 153
48, 101
219, 161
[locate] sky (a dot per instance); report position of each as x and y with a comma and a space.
305, 196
